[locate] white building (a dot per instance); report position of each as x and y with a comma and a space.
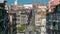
40, 19
21, 19
27, 6
37, 19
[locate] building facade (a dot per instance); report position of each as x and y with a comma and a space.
3, 19
50, 21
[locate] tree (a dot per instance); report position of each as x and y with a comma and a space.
21, 28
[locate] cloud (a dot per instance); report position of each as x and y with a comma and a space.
1, 1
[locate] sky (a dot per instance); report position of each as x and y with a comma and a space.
26, 1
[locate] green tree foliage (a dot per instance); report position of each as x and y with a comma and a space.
21, 28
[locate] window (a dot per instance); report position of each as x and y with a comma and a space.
58, 9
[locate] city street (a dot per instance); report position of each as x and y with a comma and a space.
29, 16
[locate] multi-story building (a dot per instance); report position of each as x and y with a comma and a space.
3, 18
21, 16
40, 19
12, 15
51, 16
52, 20
21, 19
20, 12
